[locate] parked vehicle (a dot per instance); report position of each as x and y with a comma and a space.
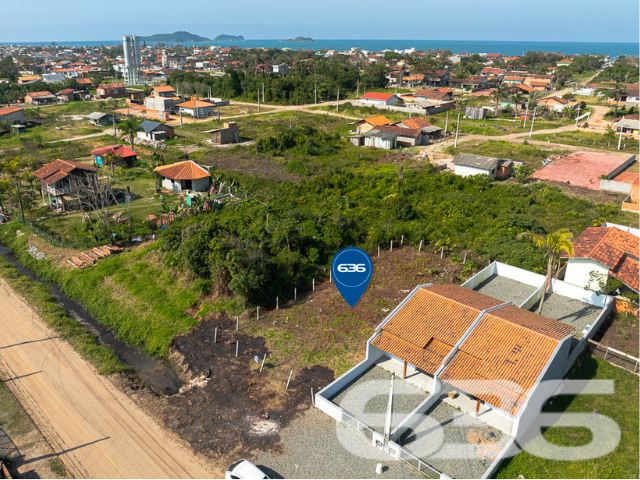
244, 469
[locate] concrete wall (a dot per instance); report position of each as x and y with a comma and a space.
613, 186
481, 276
415, 417
509, 450
622, 167
14, 117
624, 228
578, 270
466, 171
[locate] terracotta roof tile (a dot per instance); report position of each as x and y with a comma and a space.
613, 248
377, 120
59, 169
499, 362
8, 110
119, 151
186, 170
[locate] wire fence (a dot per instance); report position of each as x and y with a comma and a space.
615, 357
84, 240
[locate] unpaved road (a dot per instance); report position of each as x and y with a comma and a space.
96, 430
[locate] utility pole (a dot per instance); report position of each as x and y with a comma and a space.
619, 146
113, 117
258, 100
263, 100
129, 212
315, 93
455, 145
181, 126
526, 115
338, 102
20, 198
533, 121
358, 88
446, 124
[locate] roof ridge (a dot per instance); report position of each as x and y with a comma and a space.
512, 322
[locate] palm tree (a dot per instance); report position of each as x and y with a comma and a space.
556, 244
129, 128
30, 178
498, 94
518, 99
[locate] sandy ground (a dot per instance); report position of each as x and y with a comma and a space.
96, 430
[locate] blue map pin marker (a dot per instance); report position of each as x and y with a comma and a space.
351, 269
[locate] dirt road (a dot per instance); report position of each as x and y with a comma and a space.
96, 430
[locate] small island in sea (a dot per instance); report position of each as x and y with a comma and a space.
176, 37
300, 40
229, 38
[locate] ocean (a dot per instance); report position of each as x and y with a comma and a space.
473, 46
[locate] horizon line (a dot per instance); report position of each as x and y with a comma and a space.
27, 42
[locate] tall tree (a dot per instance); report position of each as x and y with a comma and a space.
129, 128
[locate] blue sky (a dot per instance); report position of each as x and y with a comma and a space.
542, 20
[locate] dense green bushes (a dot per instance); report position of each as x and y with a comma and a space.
310, 221
303, 140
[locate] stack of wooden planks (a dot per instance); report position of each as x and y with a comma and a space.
86, 259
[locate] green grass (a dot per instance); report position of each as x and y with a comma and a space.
132, 293
144, 203
38, 297
590, 140
622, 407
13, 419
531, 155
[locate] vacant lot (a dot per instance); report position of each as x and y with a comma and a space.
531, 155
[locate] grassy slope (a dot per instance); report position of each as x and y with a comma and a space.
38, 296
621, 407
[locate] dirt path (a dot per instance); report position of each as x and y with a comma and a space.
82, 137
96, 430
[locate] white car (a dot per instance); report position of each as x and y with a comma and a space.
244, 469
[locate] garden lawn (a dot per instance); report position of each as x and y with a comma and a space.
622, 407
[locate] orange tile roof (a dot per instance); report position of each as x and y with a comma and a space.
613, 248
59, 169
8, 110
626, 177
377, 120
39, 94
499, 362
421, 320
193, 103
415, 123
164, 88
186, 170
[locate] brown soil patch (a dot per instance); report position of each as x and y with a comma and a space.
620, 332
249, 163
